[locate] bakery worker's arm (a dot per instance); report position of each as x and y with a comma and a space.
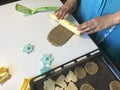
69, 7
100, 23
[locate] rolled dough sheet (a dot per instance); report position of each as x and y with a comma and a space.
59, 35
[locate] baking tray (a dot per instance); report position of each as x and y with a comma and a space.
100, 81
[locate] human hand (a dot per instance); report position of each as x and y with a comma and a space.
68, 7
62, 12
97, 24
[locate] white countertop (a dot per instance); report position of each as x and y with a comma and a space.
17, 30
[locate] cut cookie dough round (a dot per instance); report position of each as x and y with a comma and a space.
80, 72
91, 68
86, 86
114, 85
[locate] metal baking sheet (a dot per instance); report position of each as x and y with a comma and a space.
100, 81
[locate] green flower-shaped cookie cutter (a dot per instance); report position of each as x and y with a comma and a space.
29, 11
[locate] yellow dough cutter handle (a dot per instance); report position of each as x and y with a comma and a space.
67, 24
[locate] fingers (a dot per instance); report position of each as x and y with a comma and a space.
61, 13
91, 31
68, 7
88, 28
96, 24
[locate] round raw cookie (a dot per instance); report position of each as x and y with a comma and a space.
80, 72
114, 85
86, 86
91, 68
59, 35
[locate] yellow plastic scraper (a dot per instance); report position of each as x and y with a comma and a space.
67, 24
25, 84
4, 74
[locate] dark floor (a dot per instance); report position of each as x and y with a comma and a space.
63, 1
118, 64
2, 2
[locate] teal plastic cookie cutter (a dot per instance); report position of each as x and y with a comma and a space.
45, 69
47, 59
29, 11
28, 48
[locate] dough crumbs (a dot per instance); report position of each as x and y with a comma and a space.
91, 68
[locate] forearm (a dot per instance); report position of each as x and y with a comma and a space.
116, 17
72, 4
68, 7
